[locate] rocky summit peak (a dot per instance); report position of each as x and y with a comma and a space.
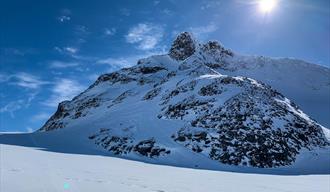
215, 48
183, 46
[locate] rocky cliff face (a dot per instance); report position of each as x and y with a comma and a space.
179, 101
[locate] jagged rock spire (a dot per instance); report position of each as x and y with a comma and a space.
186, 45
183, 46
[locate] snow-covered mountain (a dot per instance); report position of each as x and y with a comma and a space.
186, 108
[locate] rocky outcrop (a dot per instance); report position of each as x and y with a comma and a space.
120, 145
263, 130
183, 46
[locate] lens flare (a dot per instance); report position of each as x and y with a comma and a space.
266, 6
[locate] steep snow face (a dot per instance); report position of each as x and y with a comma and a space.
308, 85
176, 106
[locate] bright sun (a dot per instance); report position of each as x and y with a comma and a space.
266, 6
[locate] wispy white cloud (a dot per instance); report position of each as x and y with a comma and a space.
74, 53
118, 62
64, 89
167, 12
29, 81
210, 4
29, 99
12, 106
110, 31
201, 31
40, 117
58, 49
81, 30
66, 50
64, 15
16, 105
71, 49
23, 79
64, 18
145, 35
121, 62
62, 64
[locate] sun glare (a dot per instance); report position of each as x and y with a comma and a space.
266, 6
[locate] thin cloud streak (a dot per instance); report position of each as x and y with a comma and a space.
62, 64
64, 89
24, 80
145, 35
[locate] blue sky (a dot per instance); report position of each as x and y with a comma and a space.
52, 50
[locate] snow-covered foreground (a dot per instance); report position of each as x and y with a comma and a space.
27, 169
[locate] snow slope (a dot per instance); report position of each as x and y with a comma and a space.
27, 169
308, 85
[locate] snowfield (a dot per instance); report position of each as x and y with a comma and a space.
28, 169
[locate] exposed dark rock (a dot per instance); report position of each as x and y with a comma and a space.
151, 94
122, 96
214, 47
180, 89
148, 148
114, 78
187, 106
147, 70
125, 145
63, 110
183, 47
209, 90
242, 133
84, 105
